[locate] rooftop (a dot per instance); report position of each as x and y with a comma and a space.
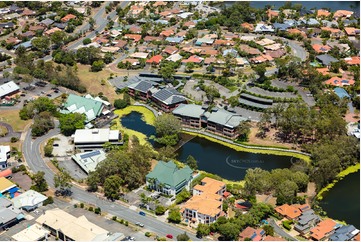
89, 160
95, 135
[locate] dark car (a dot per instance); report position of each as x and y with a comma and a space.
142, 213
49, 95
169, 236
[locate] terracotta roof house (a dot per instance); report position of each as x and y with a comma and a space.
189, 24
165, 13
272, 238
134, 29
222, 42
230, 36
36, 28
323, 13
252, 234
101, 40
194, 59
135, 10
272, 13
260, 59
13, 40
133, 62
288, 211
275, 46
321, 48
208, 51
334, 32
134, 37
276, 53
155, 59
68, 17
51, 31
297, 31
121, 43
247, 26
342, 13
28, 12
28, 34
351, 31
159, 3
323, 229
166, 33
181, 34
170, 50
353, 60
249, 50
152, 38
210, 60
206, 204
339, 82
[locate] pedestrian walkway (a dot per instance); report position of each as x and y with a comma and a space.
156, 113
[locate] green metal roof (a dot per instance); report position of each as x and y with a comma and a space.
168, 173
90, 107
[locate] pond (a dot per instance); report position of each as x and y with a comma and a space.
213, 157
342, 202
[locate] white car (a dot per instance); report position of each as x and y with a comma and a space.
139, 224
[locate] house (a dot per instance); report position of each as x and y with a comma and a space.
91, 139
34, 232
275, 46
336, 33
321, 48
261, 59
252, 234
351, 31
221, 42
135, 10
329, 24
120, 44
218, 121
110, 49
174, 40
4, 155
205, 41
272, 238
249, 50
272, 13
353, 60
193, 59
61, 25
281, 26
341, 93
344, 233
67, 18
339, 82
323, 229
265, 41
29, 200
247, 26
190, 24
6, 173
155, 60
134, 37
88, 106
166, 33
101, 40
7, 25
326, 60
206, 204
297, 31
6, 186
167, 178
35, 28
342, 14
289, 211
139, 55
27, 34
262, 28
174, 58
231, 52
51, 31
276, 53
170, 50
152, 38
8, 89
135, 29
68, 227
9, 216
323, 13
47, 22
89, 160
28, 13
306, 221
167, 99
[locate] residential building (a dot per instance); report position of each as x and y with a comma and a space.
4, 156
167, 178
29, 200
88, 161
8, 89
353, 60
218, 121
91, 139
68, 227
9, 216
174, 40
167, 99
206, 204
252, 234
342, 14
51, 31
262, 28
7, 186
273, 238
34, 232
351, 31
341, 93
140, 89
306, 221
340, 82
68, 17
326, 59
6, 173
321, 48
323, 229
345, 233
323, 13
155, 60
289, 211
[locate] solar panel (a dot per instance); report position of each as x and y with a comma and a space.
90, 154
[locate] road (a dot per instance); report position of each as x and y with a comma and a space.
280, 231
10, 133
31, 150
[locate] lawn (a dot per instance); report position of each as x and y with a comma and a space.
92, 81
11, 117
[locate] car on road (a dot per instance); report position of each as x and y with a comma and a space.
142, 213
49, 95
169, 236
139, 224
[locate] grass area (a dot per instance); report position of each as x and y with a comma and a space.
11, 117
3, 131
92, 81
340, 176
147, 116
16, 144
252, 150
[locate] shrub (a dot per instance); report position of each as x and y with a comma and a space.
75, 205
147, 234
98, 210
126, 223
122, 221
286, 224
91, 209
82, 205
13, 139
48, 149
114, 218
49, 200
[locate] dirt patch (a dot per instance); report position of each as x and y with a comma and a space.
153, 163
269, 199
23, 180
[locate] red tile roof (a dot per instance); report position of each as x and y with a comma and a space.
339, 82
135, 37
167, 33
353, 60
155, 59
322, 12
67, 17
247, 26
321, 48
251, 233
288, 211
352, 31
194, 59
322, 229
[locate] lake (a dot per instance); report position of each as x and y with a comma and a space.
342, 202
213, 157
333, 5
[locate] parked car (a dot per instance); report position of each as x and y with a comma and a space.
142, 213
49, 95
169, 236
139, 224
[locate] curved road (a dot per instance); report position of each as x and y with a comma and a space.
31, 150
10, 133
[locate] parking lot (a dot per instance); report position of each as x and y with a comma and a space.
190, 91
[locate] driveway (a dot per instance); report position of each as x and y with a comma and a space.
280, 231
10, 133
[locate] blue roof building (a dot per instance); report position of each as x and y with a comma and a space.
282, 27
344, 233
341, 93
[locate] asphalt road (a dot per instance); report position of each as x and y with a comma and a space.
280, 231
10, 133
31, 150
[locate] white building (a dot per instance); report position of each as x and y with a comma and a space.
88, 161
34, 232
90, 139
8, 89
4, 156
29, 200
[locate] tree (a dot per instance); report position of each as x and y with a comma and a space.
203, 229
86, 41
160, 210
43, 122
71, 122
268, 229
87, 55
243, 130
111, 187
41, 43
167, 129
62, 180
91, 23
212, 93
58, 38
228, 231
286, 192
183, 237
260, 69
183, 196
191, 162
108, 58
122, 103
167, 70
97, 66
189, 67
174, 215
40, 184
92, 181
